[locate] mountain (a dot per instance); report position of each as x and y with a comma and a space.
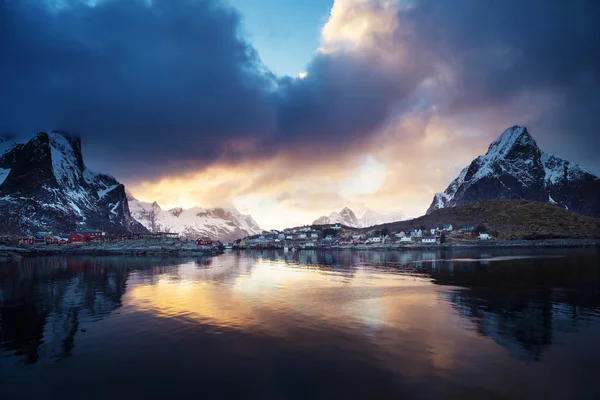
347, 217
45, 186
515, 168
508, 219
226, 224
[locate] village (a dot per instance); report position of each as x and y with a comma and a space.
337, 236
307, 237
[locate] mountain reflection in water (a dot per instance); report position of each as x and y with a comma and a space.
305, 324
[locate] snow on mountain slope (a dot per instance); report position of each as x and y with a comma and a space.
226, 224
515, 168
347, 217
45, 186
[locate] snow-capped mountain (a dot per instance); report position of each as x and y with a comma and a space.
347, 217
515, 168
45, 186
226, 224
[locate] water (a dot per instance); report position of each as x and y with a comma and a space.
411, 325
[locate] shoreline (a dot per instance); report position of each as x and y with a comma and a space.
172, 248
183, 249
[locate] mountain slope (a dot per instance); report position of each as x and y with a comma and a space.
217, 223
515, 168
45, 186
509, 219
347, 217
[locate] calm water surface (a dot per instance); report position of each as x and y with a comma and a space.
410, 325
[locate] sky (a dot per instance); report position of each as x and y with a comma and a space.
292, 110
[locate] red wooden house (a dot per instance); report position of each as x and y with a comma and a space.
204, 241
87, 235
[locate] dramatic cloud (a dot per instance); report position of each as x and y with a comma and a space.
170, 98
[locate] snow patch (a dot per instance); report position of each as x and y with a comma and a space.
102, 193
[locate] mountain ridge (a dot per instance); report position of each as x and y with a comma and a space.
45, 186
225, 224
514, 167
347, 217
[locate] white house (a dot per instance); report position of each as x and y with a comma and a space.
484, 236
289, 237
405, 239
400, 234
448, 228
337, 227
433, 231
376, 239
314, 235
416, 233
429, 240
302, 236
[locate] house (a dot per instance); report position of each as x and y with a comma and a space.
314, 235
281, 236
376, 239
448, 228
484, 236
400, 234
204, 241
433, 231
41, 237
302, 236
405, 239
337, 227
289, 237
51, 239
86, 235
416, 233
467, 230
27, 240
358, 237
430, 240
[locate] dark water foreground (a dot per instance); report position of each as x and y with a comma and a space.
406, 325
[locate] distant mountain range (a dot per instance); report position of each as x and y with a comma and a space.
515, 168
45, 186
347, 217
226, 224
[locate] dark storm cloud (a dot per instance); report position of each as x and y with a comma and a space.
172, 86
500, 49
166, 84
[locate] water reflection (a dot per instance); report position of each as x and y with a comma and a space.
410, 317
44, 301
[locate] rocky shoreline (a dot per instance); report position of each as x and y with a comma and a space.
133, 248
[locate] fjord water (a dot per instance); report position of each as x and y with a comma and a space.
500, 324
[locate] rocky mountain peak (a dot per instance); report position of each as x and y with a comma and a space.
515, 142
514, 167
46, 186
